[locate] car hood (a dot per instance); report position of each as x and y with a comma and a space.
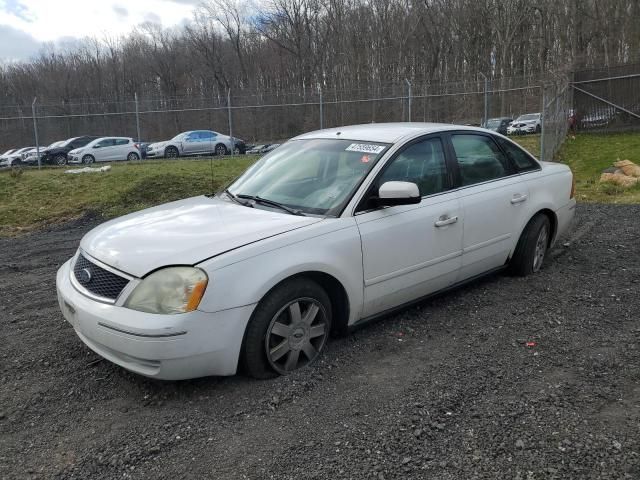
185, 232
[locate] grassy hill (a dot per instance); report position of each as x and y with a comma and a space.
38, 197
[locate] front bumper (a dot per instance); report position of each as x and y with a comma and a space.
166, 347
74, 159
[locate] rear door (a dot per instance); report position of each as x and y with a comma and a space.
492, 196
191, 143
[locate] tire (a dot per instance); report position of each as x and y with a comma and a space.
538, 128
171, 152
60, 159
236, 151
532, 247
133, 156
88, 159
288, 329
17, 163
220, 150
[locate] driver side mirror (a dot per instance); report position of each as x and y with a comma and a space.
398, 193
97, 145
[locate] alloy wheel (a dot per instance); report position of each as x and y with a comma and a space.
296, 335
541, 248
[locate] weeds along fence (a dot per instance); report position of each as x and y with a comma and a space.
277, 116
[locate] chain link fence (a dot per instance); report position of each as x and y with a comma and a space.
267, 117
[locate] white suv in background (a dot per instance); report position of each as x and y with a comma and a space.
105, 149
527, 123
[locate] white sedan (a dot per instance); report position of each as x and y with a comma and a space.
105, 149
332, 229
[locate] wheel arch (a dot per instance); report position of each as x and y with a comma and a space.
340, 304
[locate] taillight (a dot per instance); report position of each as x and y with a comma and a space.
573, 186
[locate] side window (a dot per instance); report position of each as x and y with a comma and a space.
422, 163
479, 159
518, 156
208, 135
122, 141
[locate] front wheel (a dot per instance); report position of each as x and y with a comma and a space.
60, 159
532, 247
88, 159
171, 152
288, 330
220, 150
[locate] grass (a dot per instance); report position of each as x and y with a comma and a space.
35, 198
589, 154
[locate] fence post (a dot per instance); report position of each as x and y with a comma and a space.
321, 110
35, 130
486, 99
542, 124
135, 96
409, 97
233, 142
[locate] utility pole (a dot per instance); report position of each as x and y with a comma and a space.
409, 97
35, 130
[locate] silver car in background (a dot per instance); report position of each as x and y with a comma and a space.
196, 142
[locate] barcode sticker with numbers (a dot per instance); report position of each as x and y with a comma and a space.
365, 148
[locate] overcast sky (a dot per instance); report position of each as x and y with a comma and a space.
26, 24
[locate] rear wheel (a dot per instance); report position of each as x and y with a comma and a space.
88, 159
133, 156
220, 150
288, 329
532, 247
60, 159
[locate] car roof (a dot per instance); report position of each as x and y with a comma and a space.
384, 132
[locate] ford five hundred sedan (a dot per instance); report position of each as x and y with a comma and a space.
330, 230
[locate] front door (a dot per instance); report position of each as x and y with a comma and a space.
410, 251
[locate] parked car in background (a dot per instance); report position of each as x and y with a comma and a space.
14, 158
528, 123
332, 229
57, 153
142, 147
196, 142
5, 156
498, 124
598, 118
105, 149
271, 147
257, 149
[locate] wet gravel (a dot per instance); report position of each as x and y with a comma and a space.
508, 378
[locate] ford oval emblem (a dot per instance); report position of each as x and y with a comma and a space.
84, 276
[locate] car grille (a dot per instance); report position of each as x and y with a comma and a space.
97, 280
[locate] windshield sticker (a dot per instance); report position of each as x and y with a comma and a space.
365, 159
365, 148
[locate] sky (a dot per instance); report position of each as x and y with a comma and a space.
27, 25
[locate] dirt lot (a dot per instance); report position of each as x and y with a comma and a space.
447, 390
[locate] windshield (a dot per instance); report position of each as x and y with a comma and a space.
313, 176
529, 116
179, 137
493, 123
7, 152
56, 144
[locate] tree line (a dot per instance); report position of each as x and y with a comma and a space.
287, 50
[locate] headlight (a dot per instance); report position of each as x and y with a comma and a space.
169, 291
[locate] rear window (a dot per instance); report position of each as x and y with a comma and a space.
521, 159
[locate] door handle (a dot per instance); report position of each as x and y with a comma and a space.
518, 199
445, 220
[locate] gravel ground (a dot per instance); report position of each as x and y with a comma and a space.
446, 390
